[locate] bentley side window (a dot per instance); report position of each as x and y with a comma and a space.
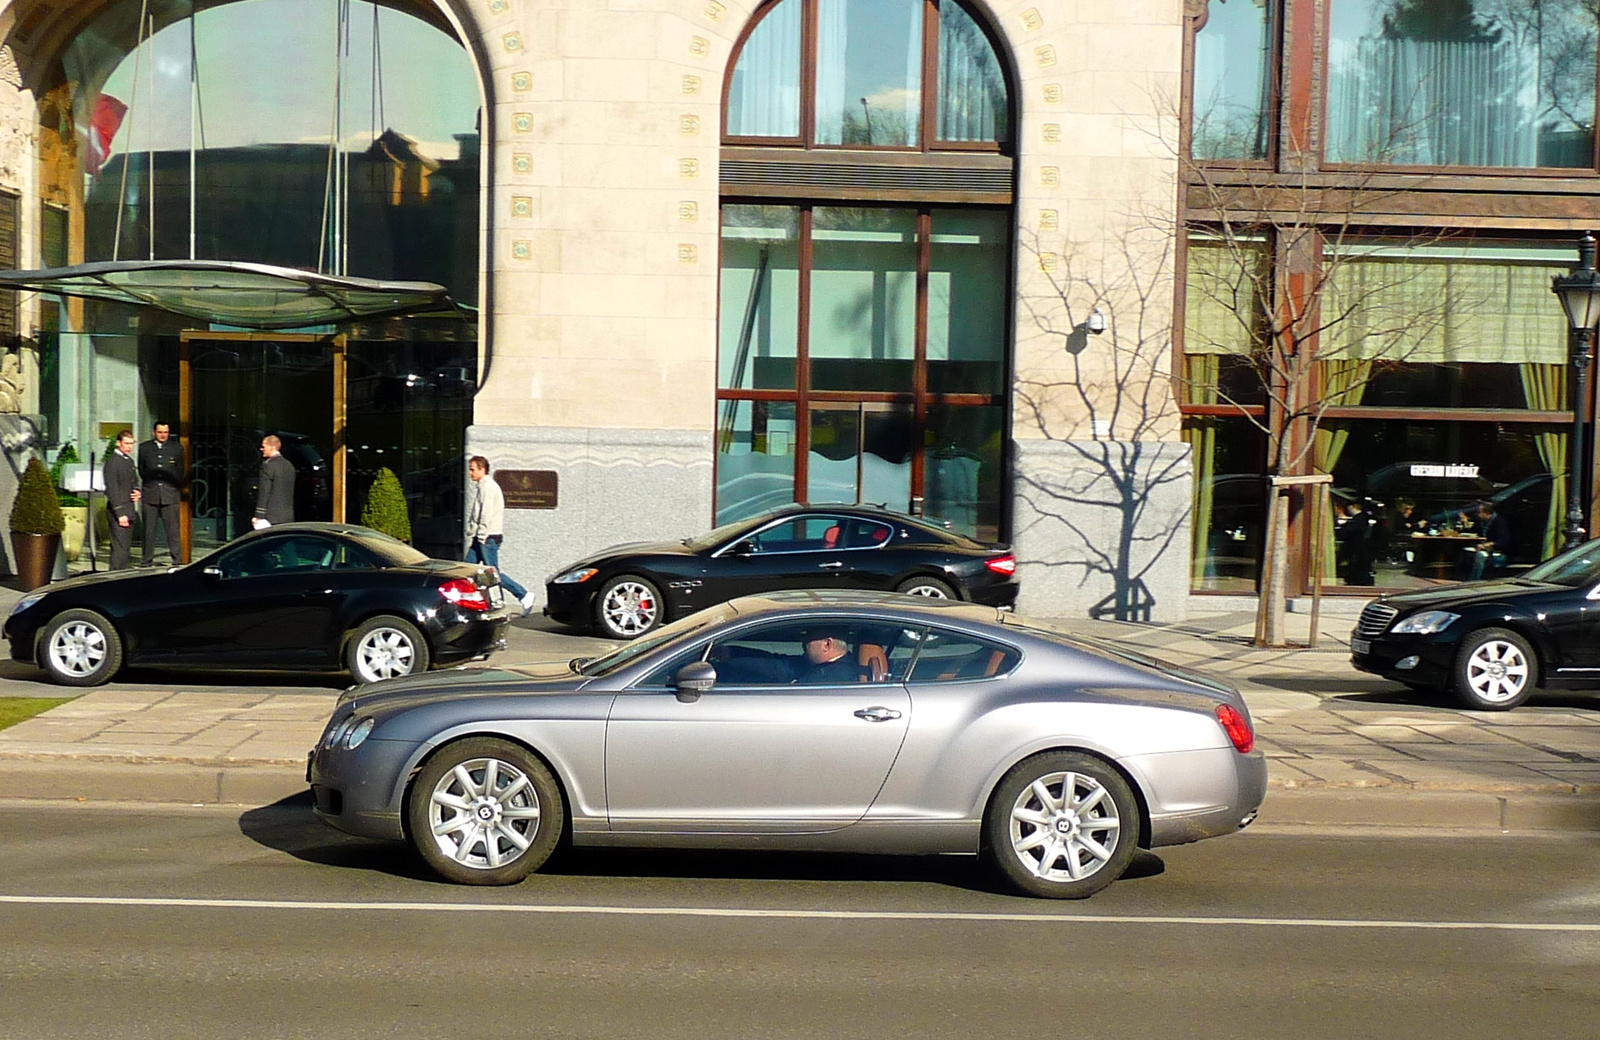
957, 657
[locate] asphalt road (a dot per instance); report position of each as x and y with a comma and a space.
208, 923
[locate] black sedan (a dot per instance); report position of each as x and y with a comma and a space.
1491, 642
627, 590
317, 597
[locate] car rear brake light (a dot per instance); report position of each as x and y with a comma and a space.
1002, 564
1237, 727
464, 593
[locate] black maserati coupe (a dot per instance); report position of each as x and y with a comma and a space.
1491, 642
627, 590
319, 597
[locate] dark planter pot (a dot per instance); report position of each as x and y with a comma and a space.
36, 558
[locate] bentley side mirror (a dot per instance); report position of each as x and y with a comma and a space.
212, 573
693, 680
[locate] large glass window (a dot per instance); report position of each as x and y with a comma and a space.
966, 319
1481, 83
760, 327
1233, 80
867, 60
863, 298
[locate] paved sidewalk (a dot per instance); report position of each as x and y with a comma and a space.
1345, 748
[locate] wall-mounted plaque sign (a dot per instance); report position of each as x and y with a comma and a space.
528, 488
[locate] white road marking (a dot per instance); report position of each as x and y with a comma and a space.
815, 915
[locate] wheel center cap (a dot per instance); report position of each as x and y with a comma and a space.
485, 812
1066, 825
1497, 670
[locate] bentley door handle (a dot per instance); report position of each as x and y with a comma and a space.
831, 566
877, 714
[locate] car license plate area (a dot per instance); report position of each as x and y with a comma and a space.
496, 596
1361, 646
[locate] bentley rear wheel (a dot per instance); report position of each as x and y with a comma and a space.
1062, 825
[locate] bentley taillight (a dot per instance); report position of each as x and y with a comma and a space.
464, 593
1237, 727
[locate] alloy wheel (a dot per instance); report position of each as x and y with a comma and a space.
1064, 827
484, 813
385, 653
1497, 671
629, 608
927, 591
77, 649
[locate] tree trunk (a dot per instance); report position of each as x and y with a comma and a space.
1270, 613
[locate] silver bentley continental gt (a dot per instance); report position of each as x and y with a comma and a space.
803, 721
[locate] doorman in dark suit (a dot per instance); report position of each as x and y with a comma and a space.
122, 491
275, 489
161, 473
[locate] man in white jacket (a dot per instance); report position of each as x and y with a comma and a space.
486, 514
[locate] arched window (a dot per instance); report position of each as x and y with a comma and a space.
909, 74
864, 342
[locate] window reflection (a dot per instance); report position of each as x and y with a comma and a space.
1501, 83
863, 298
755, 457
1232, 80
759, 326
764, 95
967, 281
869, 72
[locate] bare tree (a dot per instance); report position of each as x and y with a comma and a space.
1103, 394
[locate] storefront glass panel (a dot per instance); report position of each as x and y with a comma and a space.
967, 294
759, 325
1230, 504
755, 457
863, 298
964, 475
861, 453
1504, 84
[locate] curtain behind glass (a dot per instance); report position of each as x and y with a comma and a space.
1491, 84
1343, 383
1232, 62
869, 72
1201, 372
1220, 301
972, 90
764, 97
1545, 387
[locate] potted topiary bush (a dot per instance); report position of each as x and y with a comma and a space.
74, 508
36, 524
386, 508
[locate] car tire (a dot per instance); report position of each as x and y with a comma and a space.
385, 647
485, 811
928, 588
628, 607
1495, 670
80, 648
1059, 847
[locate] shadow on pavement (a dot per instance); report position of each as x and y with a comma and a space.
290, 826
184, 678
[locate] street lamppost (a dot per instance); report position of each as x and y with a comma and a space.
1579, 292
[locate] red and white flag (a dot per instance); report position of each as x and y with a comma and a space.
103, 126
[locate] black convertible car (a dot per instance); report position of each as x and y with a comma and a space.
627, 590
1491, 642
320, 597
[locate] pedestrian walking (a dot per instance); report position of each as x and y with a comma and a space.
121, 476
486, 514
161, 477
275, 488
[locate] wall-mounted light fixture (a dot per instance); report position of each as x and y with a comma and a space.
1096, 323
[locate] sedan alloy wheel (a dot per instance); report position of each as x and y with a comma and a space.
629, 607
1494, 670
386, 648
80, 648
485, 812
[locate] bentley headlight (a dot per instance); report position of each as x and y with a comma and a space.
574, 577
359, 735
27, 601
1425, 623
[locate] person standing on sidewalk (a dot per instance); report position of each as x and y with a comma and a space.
486, 514
161, 473
275, 488
122, 491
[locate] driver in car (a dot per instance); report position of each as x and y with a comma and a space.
828, 661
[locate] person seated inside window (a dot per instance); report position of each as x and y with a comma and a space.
1490, 553
828, 658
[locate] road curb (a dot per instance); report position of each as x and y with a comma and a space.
57, 778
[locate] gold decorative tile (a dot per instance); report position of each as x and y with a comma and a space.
1032, 20
1051, 132
688, 212
1044, 57
1047, 262
714, 12
688, 124
522, 249
688, 167
522, 82
522, 162
699, 46
1050, 176
688, 253
521, 206
499, 6
690, 85
1053, 94
512, 41
1049, 220
522, 122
